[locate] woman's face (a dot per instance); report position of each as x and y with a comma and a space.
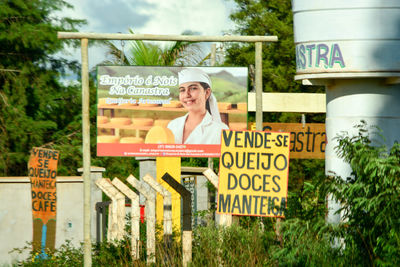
193, 96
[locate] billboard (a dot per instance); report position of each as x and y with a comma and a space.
253, 173
168, 111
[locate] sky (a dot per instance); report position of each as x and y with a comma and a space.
203, 17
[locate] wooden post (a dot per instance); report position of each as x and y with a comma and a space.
167, 207
87, 245
259, 86
213, 57
135, 215
150, 208
187, 217
116, 226
224, 219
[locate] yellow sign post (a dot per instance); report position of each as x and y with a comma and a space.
254, 171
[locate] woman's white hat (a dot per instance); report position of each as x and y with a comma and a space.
193, 75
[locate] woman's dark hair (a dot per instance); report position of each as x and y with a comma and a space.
206, 86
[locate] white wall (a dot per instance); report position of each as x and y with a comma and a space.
16, 213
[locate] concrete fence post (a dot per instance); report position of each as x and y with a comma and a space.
150, 209
167, 201
96, 173
116, 226
135, 215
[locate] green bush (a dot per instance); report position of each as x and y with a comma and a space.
370, 199
368, 236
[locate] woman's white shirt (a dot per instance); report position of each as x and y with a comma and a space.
206, 132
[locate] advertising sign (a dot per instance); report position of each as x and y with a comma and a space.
254, 171
307, 141
168, 111
42, 170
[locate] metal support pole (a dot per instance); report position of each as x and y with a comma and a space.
135, 215
87, 259
259, 86
187, 217
150, 209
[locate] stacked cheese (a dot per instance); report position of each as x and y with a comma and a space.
159, 135
107, 139
102, 119
121, 121
142, 121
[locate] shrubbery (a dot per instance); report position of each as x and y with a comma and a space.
368, 236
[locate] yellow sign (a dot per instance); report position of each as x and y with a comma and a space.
42, 169
254, 171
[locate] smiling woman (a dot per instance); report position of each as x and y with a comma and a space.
202, 124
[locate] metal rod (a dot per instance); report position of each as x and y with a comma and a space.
149, 37
87, 259
187, 217
259, 87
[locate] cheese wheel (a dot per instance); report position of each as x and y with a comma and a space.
102, 119
121, 121
102, 101
107, 139
242, 106
163, 123
173, 104
131, 140
224, 105
159, 135
142, 121
238, 126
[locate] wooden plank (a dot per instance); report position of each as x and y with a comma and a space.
162, 109
307, 141
289, 102
158, 37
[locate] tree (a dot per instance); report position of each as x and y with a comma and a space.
34, 104
271, 17
140, 53
369, 198
274, 17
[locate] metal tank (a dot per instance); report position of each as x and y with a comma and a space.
353, 48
